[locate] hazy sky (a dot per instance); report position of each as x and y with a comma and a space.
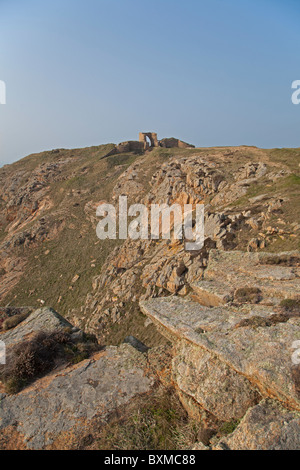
86, 72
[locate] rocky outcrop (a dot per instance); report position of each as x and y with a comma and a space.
70, 403
233, 345
143, 144
43, 319
148, 268
267, 426
235, 276
59, 411
262, 354
217, 387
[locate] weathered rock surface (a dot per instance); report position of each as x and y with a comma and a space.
227, 272
262, 355
267, 426
60, 409
48, 213
171, 142
233, 346
43, 319
156, 268
214, 385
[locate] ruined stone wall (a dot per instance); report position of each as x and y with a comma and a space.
174, 143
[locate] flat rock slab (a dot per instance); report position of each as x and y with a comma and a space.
267, 426
180, 316
228, 271
212, 293
59, 409
43, 319
239, 261
261, 354
272, 273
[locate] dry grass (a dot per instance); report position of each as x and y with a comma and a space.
15, 320
262, 322
291, 306
155, 422
282, 259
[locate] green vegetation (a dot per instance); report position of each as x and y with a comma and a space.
286, 157
229, 426
122, 159
71, 246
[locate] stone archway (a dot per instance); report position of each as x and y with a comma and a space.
149, 139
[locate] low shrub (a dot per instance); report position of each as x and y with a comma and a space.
33, 358
282, 259
291, 305
247, 294
11, 322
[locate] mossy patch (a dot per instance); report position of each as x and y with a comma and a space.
229, 427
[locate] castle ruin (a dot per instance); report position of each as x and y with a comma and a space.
149, 139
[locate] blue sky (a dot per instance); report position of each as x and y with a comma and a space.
211, 72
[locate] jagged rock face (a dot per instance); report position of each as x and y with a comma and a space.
234, 346
211, 383
25, 199
261, 354
146, 269
231, 346
229, 274
51, 200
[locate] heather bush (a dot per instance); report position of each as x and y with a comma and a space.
33, 358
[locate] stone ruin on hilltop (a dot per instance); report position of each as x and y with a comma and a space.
148, 141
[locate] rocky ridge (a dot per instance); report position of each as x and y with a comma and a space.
242, 342
148, 268
214, 316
